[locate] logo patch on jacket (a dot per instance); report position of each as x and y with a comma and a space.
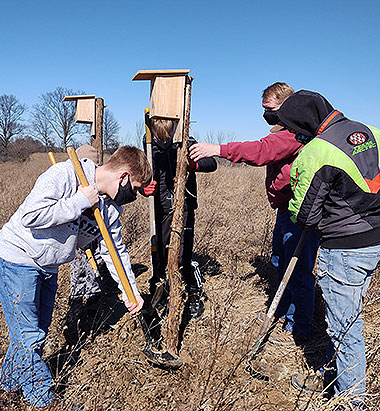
357, 138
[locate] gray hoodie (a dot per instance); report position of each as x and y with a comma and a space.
56, 219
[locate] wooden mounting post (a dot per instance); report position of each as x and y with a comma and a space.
97, 140
89, 110
174, 276
170, 97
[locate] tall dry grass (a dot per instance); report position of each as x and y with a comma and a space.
107, 371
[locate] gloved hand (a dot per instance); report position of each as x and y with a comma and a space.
192, 165
149, 190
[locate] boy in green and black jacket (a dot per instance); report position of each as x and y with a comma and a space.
336, 183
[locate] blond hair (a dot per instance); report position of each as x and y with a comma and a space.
279, 91
162, 128
136, 162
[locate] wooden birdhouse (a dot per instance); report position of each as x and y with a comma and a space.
167, 95
84, 109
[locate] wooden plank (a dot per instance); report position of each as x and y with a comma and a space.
97, 129
150, 74
178, 133
85, 111
80, 96
167, 97
172, 268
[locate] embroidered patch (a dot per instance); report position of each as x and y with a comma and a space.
363, 147
357, 138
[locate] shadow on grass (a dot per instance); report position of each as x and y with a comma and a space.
156, 317
266, 273
85, 320
316, 347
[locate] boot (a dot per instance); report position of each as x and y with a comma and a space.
196, 305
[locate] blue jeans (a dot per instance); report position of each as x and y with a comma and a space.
344, 277
27, 297
297, 303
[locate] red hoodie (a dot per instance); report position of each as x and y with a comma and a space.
277, 151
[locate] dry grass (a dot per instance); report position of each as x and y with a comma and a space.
233, 239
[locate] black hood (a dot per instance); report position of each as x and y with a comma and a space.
304, 112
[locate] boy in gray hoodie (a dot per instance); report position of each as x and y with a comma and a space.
50, 225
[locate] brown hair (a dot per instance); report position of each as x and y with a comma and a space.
279, 91
162, 128
136, 162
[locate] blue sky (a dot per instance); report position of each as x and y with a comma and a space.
233, 48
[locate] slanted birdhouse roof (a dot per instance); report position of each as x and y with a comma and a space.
79, 97
151, 74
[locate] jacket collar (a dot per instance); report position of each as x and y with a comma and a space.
161, 145
330, 119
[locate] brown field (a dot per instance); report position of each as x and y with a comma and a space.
107, 370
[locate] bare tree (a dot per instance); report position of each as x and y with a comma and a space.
11, 126
140, 131
111, 129
40, 127
210, 137
128, 138
60, 116
219, 137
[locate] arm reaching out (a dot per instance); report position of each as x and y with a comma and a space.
202, 150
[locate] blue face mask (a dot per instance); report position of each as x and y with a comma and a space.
301, 138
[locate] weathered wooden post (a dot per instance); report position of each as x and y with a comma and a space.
89, 110
174, 275
97, 141
171, 98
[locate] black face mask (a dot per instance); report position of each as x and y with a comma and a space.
125, 194
270, 116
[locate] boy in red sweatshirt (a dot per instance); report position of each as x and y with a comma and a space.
277, 151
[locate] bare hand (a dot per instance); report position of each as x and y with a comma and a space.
91, 193
132, 307
201, 150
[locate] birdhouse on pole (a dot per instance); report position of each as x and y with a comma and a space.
167, 95
84, 109
89, 110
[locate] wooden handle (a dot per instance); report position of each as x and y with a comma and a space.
88, 252
149, 155
285, 279
92, 261
52, 159
103, 229
148, 133
280, 291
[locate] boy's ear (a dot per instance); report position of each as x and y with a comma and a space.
122, 175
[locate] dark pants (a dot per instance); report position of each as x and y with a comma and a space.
163, 224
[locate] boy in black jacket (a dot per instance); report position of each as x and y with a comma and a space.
164, 165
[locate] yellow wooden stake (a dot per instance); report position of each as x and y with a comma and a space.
88, 252
52, 159
103, 229
91, 260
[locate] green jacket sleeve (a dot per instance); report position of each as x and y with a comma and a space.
309, 186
